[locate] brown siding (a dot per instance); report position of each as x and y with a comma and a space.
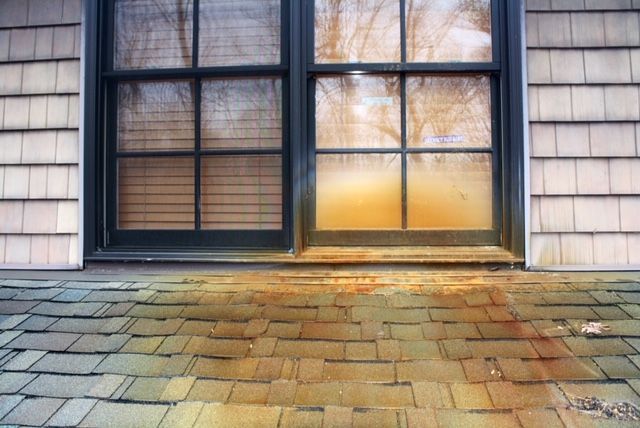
39, 101
583, 73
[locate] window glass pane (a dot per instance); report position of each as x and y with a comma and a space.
448, 30
242, 113
155, 116
448, 111
359, 191
153, 33
449, 191
241, 192
357, 31
358, 111
156, 193
239, 32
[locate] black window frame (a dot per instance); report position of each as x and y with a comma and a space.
296, 141
404, 69
198, 238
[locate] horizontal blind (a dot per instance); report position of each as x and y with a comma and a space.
242, 192
239, 32
153, 33
242, 113
155, 116
156, 193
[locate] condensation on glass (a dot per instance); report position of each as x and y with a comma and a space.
155, 116
358, 191
242, 192
358, 111
449, 191
239, 32
242, 113
448, 30
153, 34
448, 111
156, 193
348, 31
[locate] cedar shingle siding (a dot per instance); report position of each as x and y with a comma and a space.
39, 116
583, 72
584, 111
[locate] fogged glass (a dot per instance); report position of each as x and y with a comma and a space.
448, 30
156, 116
239, 32
242, 113
358, 111
359, 191
449, 191
156, 193
357, 31
153, 33
448, 111
241, 192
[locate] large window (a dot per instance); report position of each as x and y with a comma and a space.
280, 124
197, 151
404, 114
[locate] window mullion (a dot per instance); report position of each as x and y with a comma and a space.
198, 187
403, 140
196, 34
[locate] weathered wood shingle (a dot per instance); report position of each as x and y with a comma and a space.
39, 119
584, 101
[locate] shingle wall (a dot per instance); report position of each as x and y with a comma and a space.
39, 101
583, 72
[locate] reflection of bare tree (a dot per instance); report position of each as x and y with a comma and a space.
431, 25
340, 101
147, 31
242, 112
365, 30
442, 106
154, 112
239, 32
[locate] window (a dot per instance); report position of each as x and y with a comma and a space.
280, 124
406, 149
197, 150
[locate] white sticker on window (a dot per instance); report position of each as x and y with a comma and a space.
443, 139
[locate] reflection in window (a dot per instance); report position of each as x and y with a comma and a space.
358, 111
156, 193
449, 191
153, 34
357, 31
448, 111
359, 191
242, 113
239, 32
448, 30
155, 116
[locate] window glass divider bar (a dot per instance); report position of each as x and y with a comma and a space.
185, 73
196, 34
202, 152
403, 32
408, 150
381, 68
403, 140
198, 136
